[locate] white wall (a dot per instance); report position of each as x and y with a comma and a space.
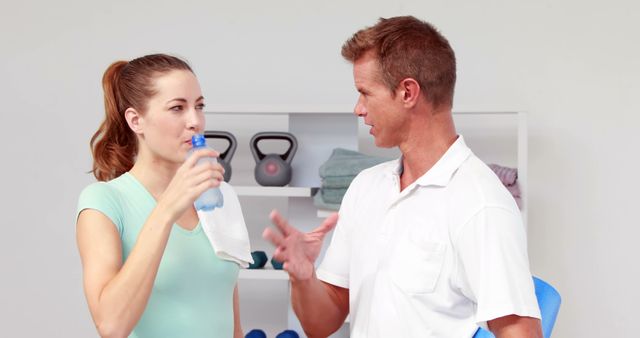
573, 65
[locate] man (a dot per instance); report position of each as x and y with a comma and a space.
430, 245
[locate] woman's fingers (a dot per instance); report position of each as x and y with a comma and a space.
197, 155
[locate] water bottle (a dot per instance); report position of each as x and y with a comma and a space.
212, 198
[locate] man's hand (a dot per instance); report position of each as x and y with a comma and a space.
297, 251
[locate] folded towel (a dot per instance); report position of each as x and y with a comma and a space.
514, 189
333, 182
508, 176
226, 229
321, 204
333, 196
344, 162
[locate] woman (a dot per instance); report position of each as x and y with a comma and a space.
149, 269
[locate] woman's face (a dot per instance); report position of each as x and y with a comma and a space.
173, 115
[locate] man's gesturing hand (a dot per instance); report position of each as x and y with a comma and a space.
297, 250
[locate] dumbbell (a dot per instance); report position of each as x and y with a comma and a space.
256, 333
288, 334
278, 265
259, 260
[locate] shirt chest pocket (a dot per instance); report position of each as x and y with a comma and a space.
415, 267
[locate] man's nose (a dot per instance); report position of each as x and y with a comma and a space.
360, 109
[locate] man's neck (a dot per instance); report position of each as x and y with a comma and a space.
429, 138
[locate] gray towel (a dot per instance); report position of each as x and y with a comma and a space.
337, 182
333, 195
344, 162
318, 202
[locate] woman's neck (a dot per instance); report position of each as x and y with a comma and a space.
154, 175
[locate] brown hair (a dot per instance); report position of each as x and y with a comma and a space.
126, 85
406, 47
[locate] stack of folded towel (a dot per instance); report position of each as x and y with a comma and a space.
337, 173
509, 178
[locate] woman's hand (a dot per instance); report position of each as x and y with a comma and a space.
190, 181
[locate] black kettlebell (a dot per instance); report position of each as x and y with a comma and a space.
227, 155
273, 169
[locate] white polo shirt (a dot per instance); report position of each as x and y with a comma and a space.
435, 260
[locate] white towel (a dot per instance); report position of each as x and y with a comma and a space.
226, 229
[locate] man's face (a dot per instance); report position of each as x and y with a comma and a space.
376, 103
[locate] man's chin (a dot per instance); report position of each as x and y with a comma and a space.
381, 144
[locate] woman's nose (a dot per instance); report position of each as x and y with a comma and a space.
195, 121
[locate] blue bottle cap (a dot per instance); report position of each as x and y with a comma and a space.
198, 140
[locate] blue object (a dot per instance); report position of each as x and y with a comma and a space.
288, 334
259, 260
256, 333
211, 198
277, 265
549, 303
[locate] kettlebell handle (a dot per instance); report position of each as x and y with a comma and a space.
226, 155
274, 135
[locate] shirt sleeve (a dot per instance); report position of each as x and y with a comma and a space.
493, 265
99, 196
336, 263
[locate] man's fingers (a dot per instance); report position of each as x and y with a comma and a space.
280, 222
280, 254
273, 236
328, 224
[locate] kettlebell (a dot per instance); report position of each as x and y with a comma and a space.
227, 155
273, 169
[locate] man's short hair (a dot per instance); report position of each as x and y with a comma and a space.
406, 47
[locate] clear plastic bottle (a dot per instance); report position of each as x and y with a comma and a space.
211, 198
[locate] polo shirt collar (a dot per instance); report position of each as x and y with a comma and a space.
441, 172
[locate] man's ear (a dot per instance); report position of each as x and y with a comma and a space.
409, 91
134, 120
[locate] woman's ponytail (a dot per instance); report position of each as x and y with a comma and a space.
113, 145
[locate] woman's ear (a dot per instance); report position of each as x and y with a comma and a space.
134, 120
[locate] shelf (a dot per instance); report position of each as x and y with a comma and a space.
324, 213
274, 191
280, 109
263, 274
347, 109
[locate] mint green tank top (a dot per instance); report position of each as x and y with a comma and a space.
192, 294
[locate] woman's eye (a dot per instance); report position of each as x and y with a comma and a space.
176, 108
200, 106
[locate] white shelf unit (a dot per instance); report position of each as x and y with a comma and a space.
321, 128
318, 130
266, 274
274, 191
